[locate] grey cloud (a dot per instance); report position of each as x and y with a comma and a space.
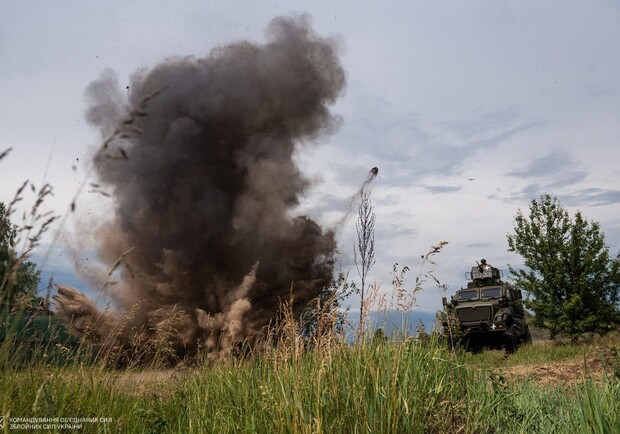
388, 200
546, 165
449, 159
479, 245
592, 197
497, 139
527, 193
612, 235
393, 231
407, 151
389, 138
585, 197
468, 128
438, 189
553, 171
595, 90
568, 179
329, 203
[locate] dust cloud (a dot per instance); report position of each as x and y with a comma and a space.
204, 187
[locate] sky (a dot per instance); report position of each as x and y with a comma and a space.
469, 109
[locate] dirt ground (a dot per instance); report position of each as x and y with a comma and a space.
566, 372
600, 361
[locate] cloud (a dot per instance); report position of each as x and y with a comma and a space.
472, 138
329, 203
547, 165
471, 127
439, 157
592, 197
388, 200
589, 197
438, 189
410, 151
479, 245
595, 90
549, 173
394, 231
525, 194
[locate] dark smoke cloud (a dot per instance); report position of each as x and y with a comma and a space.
206, 194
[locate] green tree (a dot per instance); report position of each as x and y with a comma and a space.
19, 278
572, 281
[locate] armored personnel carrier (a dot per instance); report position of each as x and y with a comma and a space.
487, 313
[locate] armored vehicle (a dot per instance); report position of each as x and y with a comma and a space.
488, 313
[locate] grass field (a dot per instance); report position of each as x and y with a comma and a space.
398, 387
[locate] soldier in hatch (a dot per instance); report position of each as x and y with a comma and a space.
484, 266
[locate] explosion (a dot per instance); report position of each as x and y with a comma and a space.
204, 191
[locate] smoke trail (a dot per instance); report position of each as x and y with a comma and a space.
205, 187
355, 197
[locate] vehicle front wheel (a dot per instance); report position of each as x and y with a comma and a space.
511, 340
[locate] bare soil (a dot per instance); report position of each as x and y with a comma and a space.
565, 372
597, 363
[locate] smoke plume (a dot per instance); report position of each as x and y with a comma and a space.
204, 185
354, 199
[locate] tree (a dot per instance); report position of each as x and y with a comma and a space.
19, 278
364, 248
572, 281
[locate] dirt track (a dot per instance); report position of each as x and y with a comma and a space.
598, 362
566, 372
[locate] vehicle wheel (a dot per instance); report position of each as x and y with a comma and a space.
528, 336
476, 349
511, 341
473, 345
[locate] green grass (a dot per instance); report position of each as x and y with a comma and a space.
377, 387
385, 388
528, 354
